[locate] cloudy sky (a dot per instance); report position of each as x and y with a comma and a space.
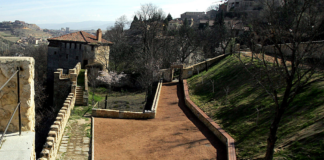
61, 11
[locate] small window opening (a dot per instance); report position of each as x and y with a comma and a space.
77, 57
75, 46
92, 48
54, 53
67, 56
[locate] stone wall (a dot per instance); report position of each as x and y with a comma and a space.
191, 70
107, 113
55, 134
8, 95
64, 83
314, 50
166, 74
102, 56
214, 127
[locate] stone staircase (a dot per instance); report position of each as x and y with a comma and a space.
79, 96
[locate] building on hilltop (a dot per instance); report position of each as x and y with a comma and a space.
193, 15
67, 50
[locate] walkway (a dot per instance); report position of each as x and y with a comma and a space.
75, 144
175, 133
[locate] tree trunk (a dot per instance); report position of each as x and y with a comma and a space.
274, 126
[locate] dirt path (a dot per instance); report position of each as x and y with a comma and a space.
175, 133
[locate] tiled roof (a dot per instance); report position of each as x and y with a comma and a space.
80, 36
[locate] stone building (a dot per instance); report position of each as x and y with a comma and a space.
193, 15
67, 50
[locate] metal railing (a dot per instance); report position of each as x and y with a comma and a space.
18, 104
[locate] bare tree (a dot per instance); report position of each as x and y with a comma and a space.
287, 32
187, 41
121, 52
148, 50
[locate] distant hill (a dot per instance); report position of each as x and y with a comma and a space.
86, 25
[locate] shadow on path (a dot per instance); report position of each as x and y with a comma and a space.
217, 144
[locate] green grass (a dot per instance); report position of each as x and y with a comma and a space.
301, 130
79, 112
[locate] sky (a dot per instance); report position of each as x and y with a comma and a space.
61, 11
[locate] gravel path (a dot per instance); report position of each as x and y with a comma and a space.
175, 133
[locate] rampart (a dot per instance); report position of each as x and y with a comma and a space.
55, 134
64, 84
15, 146
108, 113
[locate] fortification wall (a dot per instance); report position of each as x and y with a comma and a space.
8, 95
64, 83
55, 134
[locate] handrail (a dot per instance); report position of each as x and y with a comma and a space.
18, 104
8, 80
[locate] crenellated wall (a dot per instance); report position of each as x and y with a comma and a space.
55, 134
63, 83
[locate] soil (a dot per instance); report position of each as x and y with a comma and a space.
175, 133
131, 102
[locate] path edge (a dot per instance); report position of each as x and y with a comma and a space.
210, 123
92, 138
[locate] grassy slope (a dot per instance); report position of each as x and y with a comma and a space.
301, 132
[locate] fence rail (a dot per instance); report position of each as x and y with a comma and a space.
18, 104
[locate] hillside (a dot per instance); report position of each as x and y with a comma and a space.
301, 132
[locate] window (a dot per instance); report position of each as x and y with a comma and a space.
75, 46
67, 56
55, 53
70, 45
80, 46
77, 57
92, 48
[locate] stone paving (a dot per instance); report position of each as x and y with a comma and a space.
75, 145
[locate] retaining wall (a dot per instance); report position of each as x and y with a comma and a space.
214, 127
191, 70
315, 49
108, 113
